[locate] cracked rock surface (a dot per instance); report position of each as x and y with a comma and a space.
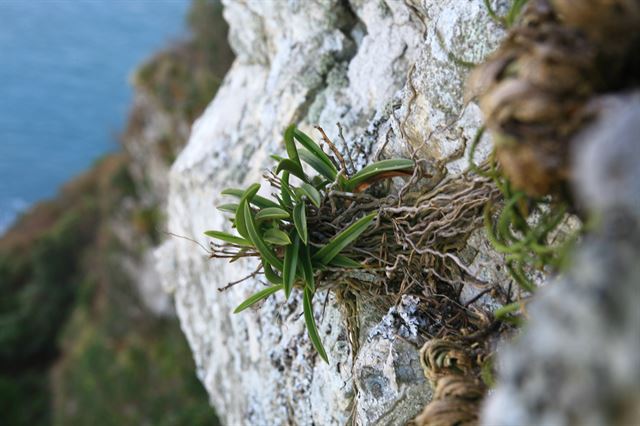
389, 71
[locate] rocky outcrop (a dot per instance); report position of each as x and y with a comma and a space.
392, 74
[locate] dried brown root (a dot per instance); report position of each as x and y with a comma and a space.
413, 248
605, 21
534, 89
458, 391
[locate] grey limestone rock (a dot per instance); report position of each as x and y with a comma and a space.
387, 71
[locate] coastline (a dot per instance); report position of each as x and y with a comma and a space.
76, 267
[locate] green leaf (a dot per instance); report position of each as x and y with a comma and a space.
228, 208
311, 324
290, 145
514, 12
239, 221
260, 244
291, 256
314, 149
250, 192
285, 190
228, 238
270, 274
310, 192
245, 198
318, 165
342, 182
256, 200
342, 261
343, 239
262, 294
372, 170
276, 237
300, 221
319, 182
307, 268
292, 167
272, 213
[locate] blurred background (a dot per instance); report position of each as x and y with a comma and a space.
96, 101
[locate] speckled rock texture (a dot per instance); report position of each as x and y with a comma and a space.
578, 360
390, 72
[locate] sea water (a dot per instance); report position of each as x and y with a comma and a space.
64, 93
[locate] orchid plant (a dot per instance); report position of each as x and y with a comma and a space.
276, 230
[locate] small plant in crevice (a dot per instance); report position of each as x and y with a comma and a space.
286, 235
346, 232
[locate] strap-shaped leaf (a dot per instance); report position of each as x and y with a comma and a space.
245, 199
257, 240
514, 12
276, 237
291, 256
342, 182
270, 213
228, 208
292, 167
256, 200
319, 182
318, 165
342, 261
327, 253
290, 145
374, 169
270, 274
307, 267
239, 221
310, 192
285, 190
311, 324
228, 238
314, 149
300, 221
262, 294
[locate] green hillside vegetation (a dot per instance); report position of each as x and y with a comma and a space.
77, 345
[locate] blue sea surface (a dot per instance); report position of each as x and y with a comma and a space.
64, 93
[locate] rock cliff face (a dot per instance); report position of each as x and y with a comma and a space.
390, 72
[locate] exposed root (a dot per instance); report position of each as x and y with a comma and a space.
412, 247
458, 392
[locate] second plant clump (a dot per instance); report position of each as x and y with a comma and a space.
277, 231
